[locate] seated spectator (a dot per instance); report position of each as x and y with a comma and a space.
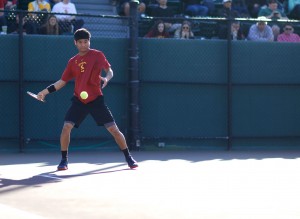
10, 4
185, 31
163, 11
227, 11
2, 18
13, 27
236, 32
123, 7
260, 31
196, 8
35, 20
288, 35
158, 31
272, 11
5, 5
67, 22
276, 31
51, 27
39, 5
241, 7
254, 6
53, 2
294, 9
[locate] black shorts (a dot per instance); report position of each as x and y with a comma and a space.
97, 108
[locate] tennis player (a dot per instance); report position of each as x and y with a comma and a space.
86, 68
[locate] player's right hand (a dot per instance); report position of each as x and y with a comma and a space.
41, 96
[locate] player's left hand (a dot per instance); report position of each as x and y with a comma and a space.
105, 81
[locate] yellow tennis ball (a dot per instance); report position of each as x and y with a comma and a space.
84, 95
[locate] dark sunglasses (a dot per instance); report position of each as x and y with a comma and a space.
287, 28
185, 27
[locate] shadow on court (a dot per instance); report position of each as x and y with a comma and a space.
169, 185
52, 177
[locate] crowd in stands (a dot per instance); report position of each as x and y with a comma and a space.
63, 20
260, 9
37, 22
276, 9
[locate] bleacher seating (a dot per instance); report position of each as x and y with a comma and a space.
103, 27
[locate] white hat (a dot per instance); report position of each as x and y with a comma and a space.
224, 1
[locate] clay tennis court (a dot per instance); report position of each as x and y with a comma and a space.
168, 185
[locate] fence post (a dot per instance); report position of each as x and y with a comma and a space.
229, 84
21, 84
134, 130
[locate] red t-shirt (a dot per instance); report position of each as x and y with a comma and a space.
2, 4
86, 70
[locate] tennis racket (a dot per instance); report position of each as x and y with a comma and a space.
35, 96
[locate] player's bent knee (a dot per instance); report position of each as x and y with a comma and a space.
114, 130
67, 127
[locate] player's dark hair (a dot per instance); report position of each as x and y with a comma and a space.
82, 33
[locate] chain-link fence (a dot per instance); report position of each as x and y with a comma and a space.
210, 91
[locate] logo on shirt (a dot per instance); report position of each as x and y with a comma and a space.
81, 65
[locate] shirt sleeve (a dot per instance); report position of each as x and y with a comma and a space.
105, 63
280, 38
67, 74
252, 34
48, 7
55, 9
73, 9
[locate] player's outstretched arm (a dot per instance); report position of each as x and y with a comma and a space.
109, 75
50, 89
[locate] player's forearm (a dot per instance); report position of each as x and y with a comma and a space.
109, 74
54, 87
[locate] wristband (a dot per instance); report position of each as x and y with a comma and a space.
51, 88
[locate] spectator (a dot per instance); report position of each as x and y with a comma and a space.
10, 4
294, 9
67, 22
254, 6
158, 31
236, 32
5, 5
288, 35
196, 8
39, 5
10, 15
51, 27
123, 7
13, 27
241, 7
2, 18
163, 11
227, 11
276, 31
185, 31
35, 20
53, 2
261, 31
272, 11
